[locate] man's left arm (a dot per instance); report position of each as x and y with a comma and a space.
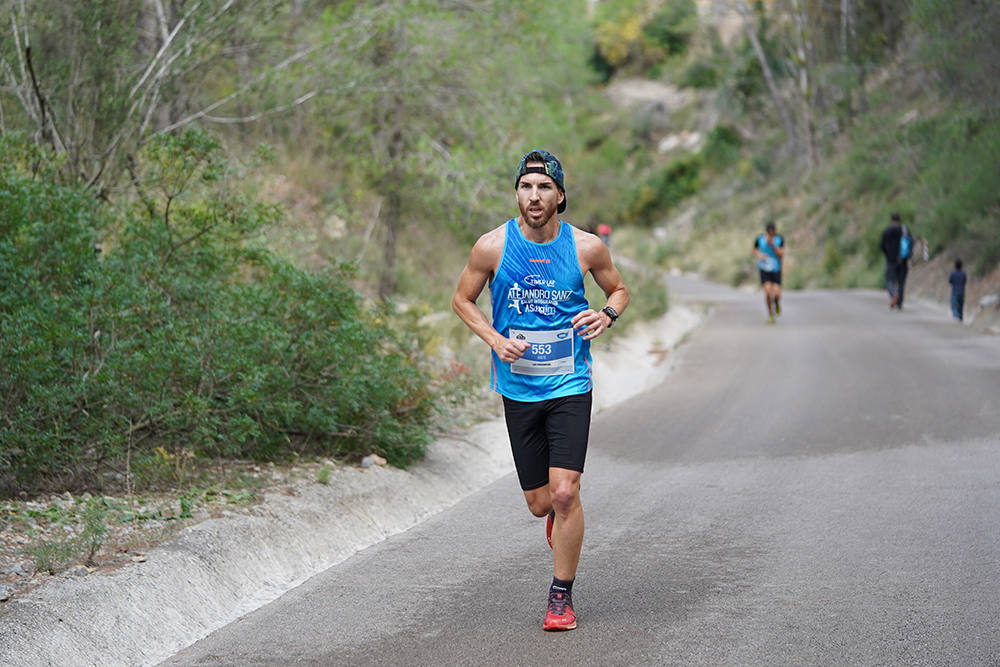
598, 260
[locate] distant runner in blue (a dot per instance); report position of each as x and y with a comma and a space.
769, 251
540, 338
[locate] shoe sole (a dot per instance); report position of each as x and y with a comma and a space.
559, 628
548, 527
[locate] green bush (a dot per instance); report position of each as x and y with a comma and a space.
601, 66
833, 259
183, 337
722, 146
701, 75
671, 27
745, 80
664, 190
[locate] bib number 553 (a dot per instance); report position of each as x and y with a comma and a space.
541, 349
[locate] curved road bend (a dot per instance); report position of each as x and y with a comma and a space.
826, 490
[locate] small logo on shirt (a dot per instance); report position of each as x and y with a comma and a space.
537, 281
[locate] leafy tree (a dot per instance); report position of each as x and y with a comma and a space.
420, 109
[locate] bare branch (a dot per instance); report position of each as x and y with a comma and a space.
298, 101
19, 83
218, 103
143, 197
163, 49
751, 31
161, 16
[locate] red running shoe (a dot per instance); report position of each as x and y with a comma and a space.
560, 615
548, 527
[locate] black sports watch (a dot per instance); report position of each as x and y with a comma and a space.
612, 313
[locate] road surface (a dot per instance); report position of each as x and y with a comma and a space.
825, 490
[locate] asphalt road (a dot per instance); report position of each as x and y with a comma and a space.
825, 490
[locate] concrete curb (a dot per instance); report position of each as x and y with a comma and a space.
221, 569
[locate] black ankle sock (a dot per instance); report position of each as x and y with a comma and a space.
558, 584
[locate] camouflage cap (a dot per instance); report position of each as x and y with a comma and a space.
552, 168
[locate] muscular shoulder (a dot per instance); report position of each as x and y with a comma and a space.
590, 250
586, 243
488, 249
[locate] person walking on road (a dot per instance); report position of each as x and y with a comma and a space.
957, 280
897, 246
769, 250
540, 338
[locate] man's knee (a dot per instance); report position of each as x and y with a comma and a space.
565, 496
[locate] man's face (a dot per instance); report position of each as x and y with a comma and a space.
538, 197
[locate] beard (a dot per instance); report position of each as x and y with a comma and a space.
539, 220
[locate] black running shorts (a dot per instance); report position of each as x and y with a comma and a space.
547, 434
770, 277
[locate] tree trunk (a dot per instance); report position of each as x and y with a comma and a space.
847, 28
804, 64
393, 213
392, 183
786, 118
392, 187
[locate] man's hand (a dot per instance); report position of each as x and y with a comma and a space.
592, 323
508, 349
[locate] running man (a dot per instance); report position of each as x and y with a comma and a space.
540, 338
769, 249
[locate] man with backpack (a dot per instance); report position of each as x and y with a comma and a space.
897, 246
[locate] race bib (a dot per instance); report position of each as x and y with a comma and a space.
551, 352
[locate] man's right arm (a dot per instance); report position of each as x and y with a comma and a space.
483, 261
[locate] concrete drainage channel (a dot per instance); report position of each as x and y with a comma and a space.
221, 569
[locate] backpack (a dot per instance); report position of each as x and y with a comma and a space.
905, 244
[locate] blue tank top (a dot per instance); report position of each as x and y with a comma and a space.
537, 290
771, 261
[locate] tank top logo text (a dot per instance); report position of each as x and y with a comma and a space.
537, 295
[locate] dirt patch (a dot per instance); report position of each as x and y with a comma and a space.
50, 537
650, 95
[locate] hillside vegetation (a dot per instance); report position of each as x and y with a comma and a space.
231, 231
882, 110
